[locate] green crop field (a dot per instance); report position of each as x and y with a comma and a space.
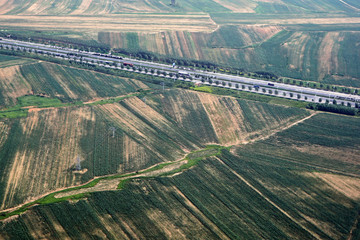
65, 83
326, 56
253, 193
162, 128
290, 174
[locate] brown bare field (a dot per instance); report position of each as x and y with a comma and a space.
45, 166
119, 22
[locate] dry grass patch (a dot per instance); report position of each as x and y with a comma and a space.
349, 186
227, 123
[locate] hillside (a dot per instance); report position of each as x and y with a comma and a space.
55, 81
89, 155
254, 192
327, 54
309, 40
48, 141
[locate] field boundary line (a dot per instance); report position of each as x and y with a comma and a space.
212, 226
268, 200
216, 24
280, 130
349, 5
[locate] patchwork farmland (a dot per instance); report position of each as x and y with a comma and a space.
260, 199
318, 39
88, 155
145, 135
314, 55
272, 166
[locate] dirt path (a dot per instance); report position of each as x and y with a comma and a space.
201, 216
280, 129
268, 200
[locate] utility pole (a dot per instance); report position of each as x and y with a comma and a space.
78, 165
113, 129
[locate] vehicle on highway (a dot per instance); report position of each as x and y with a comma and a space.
184, 73
128, 64
271, 84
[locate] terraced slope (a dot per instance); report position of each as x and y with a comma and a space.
256, 191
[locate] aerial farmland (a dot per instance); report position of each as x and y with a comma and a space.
180, 119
